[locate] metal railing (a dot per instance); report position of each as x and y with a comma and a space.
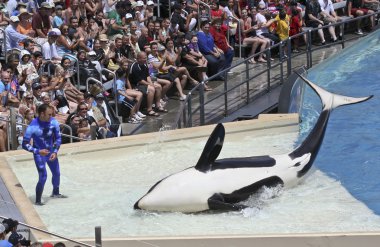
97, 234
95, 80
196, 112
199, 12
239, 31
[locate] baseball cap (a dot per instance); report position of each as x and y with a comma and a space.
14, 18
103, 37
139, 3
99, 96
45, 5
91, 53
128, 15
54, 32
150, 3
36, 86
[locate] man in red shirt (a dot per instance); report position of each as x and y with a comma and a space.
41, 22
220, 41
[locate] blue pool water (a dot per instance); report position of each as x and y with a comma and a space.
351, 149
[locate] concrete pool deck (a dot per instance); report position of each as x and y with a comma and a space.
273, 124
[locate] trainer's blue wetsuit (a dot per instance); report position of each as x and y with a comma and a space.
45, 135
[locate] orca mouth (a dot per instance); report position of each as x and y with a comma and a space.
136, 206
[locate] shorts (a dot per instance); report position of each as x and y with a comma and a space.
168, 76
313, 24
142, 88
354, 10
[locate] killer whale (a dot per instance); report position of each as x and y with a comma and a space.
222, 184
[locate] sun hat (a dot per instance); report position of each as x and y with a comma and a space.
150, 3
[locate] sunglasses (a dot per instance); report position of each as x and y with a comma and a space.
29, 98
83, 109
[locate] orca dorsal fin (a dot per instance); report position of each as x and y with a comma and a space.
212, 149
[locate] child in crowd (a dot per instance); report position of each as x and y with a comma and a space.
27, 66
295, 28
282, 28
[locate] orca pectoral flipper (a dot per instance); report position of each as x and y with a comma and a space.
216, 202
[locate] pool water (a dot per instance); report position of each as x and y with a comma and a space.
351, 148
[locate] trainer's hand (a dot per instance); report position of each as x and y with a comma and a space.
53, 156
44, 152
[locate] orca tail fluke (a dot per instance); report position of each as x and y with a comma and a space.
331, 100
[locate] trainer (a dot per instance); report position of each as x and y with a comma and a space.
44, 130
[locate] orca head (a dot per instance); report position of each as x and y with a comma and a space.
181, 192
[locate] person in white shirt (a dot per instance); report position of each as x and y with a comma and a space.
49, 49
330, 16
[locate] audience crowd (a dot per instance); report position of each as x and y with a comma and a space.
11, 237
150, 57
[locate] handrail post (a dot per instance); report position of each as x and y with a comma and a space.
190, 113
70, 131
289, 64
77, 62
202, 104
247, 79
308, 49
159, 8
282, 62
98, 236
13, 128
268, 68
225, 95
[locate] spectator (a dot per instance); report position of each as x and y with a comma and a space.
355, 8
221, 41
28, 68
215, 57
16, 79
41, 22
72, 11
282, 28
313, 10
140, 79
66, 45
3, 242
173, 57
250, 38
330, 15
49, 48
58, 18
4, 85
263, 25
191, 56
25, 26
15, 238
13, 37
115, 17
294, 29
177, 19
73, 122
165, 72
129, 99
100, 116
